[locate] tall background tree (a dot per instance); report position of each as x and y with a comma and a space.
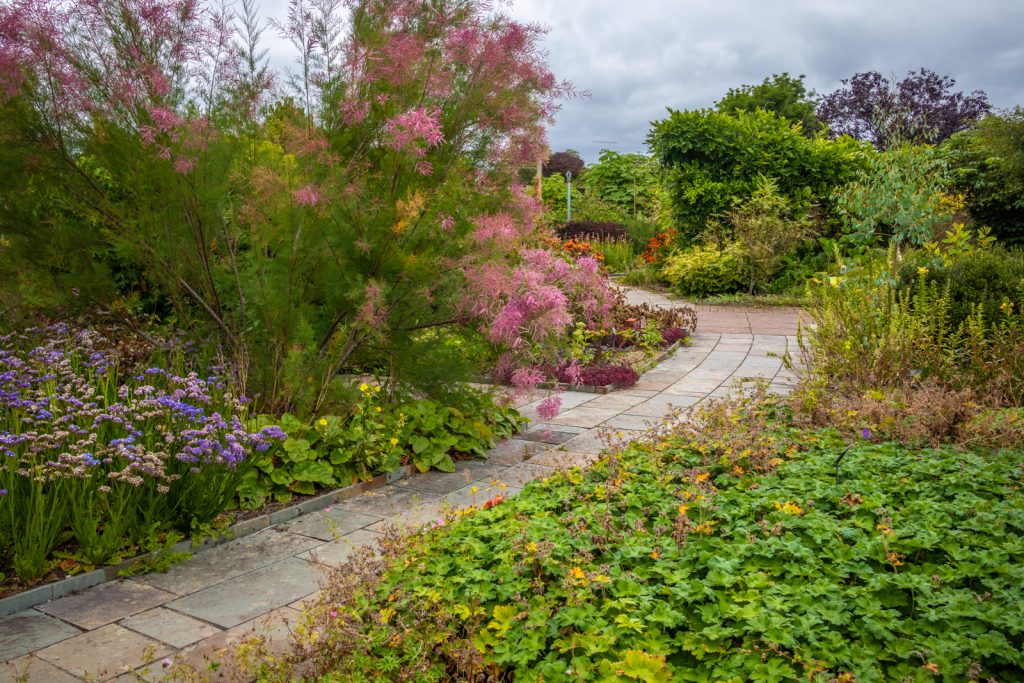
921, 108
781, 94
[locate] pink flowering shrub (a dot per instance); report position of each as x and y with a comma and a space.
348, 223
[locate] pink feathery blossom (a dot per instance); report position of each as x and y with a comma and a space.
373, 311
307, 195
525, 378
424, 168
164, 119
447, 223
415, 128
549, 407
184, 165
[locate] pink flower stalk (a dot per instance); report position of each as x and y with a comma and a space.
307, 195
549, 407
184, 165
373, 311
414, 129
447, 223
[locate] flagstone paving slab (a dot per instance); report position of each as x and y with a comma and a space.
599, 439
336, 552
561, 459
274, 627
549, 435
585, 416
169, 627
512, 451
388, 501
34, 670
104, 653
522, 474
230, 560
625, 421
329, 523
246, 597
31, 630
106, 603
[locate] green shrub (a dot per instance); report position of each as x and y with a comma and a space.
767, 230
982, 279
899, 196
869, 334
705, 269
987, 164
712, 161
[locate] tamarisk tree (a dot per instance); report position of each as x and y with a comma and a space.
148, 162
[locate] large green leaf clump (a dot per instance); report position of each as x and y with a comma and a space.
896, 565
713, 161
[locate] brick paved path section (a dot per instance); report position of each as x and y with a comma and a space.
257, 584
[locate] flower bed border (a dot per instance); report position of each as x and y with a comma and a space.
602, 388
72, 584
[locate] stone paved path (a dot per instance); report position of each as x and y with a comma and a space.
257, 584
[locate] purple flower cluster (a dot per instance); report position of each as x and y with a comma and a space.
66, 414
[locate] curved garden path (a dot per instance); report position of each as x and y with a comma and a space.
259, 582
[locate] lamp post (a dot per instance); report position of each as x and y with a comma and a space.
568, 196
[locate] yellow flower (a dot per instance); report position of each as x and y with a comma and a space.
378, 409
474, 489
394, 441
704, 528
576, 574
1006, 307
922, 271
655, 555
703, 476
683, 508
531, 547
322, 422
789, 508
377, 389
364, 387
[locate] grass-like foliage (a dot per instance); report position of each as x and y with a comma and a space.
108, 453
706, 555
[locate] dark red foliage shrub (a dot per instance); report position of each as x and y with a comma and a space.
560, 162
595, 230
601, 375
674, 334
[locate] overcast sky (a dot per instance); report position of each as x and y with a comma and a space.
637, 57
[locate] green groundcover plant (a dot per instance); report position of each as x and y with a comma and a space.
700, 560
375, 436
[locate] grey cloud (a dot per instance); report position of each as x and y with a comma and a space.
640, 56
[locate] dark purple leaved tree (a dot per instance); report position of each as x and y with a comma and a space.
560, 162
922, 108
